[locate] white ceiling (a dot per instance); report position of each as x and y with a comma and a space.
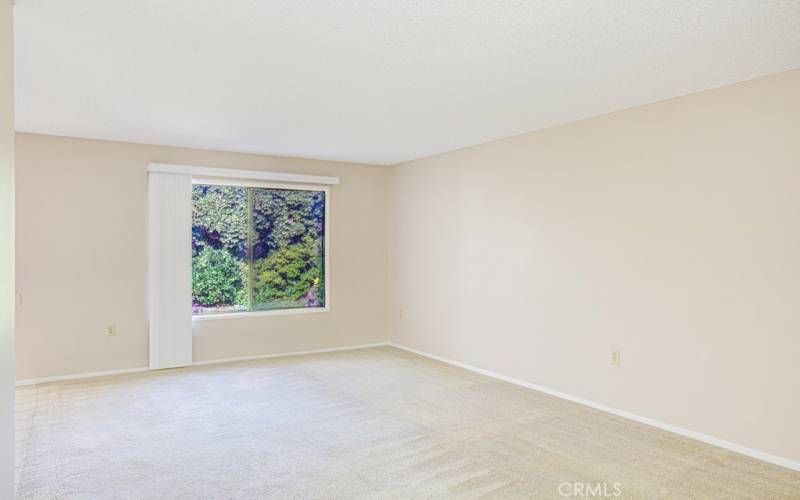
374, 81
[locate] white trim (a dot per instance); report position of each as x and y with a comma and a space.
79, 376
198, 171
255, 314
212, 181
766, 457
287, 354
89, 375
760, 455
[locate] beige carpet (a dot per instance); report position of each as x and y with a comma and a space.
374, 423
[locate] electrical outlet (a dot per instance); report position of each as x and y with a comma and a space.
111, 331
401, 313
615, 357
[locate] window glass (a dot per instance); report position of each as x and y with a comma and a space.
257, 248
288, 248
219, 248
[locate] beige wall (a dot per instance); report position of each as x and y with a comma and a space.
6, 251
670, 232
82, 256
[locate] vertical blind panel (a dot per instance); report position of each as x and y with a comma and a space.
170, 250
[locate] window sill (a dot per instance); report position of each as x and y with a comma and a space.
255, 314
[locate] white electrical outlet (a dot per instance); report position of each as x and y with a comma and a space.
111, 331
615, 357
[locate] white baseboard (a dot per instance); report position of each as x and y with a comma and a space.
760, 455
295, 353
79, 376
789, 464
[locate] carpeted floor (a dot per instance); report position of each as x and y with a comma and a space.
373, 423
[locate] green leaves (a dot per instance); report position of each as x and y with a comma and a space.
219, 218
283, 217
218, 278
290, 274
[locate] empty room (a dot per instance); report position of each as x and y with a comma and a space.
523, 249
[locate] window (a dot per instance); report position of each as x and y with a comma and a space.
258, 248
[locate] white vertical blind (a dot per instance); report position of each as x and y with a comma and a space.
170, 251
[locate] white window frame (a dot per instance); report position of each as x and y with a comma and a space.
326, 250
231, 173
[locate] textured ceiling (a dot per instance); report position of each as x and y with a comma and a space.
374, 81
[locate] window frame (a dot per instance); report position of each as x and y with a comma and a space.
326, 249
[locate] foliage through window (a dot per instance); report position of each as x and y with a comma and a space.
257, 248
